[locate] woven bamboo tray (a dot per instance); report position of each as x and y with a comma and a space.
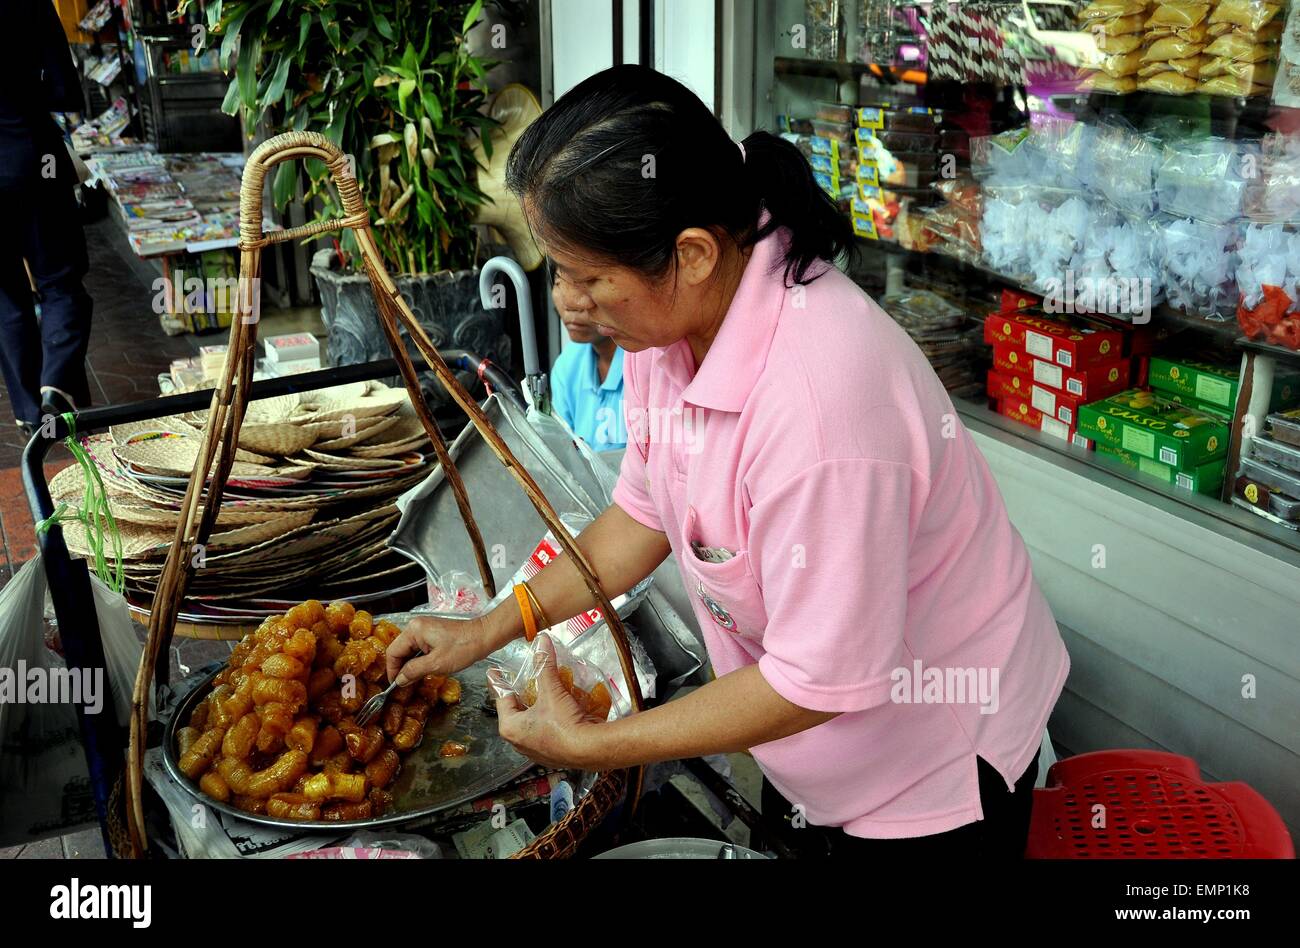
220, 443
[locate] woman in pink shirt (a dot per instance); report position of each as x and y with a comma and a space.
878, 640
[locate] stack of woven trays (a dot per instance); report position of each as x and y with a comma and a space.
307, 508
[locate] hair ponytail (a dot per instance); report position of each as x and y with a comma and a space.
629, 158
784, 183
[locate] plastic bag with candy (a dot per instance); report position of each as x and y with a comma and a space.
1246, 14
586, 683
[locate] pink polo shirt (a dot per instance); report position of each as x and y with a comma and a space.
875, 572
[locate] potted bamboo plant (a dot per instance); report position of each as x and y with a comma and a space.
395, 85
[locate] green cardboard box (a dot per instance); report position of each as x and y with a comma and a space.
1204, 479
1214, 386
1205, 408
1154, 428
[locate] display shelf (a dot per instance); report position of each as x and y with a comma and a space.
842, 71
976, 413
1289, 356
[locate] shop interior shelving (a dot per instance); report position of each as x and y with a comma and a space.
798, 81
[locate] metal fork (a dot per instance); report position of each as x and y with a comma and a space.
375, 705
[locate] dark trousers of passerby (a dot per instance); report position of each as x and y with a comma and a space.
42, 226
1001, 835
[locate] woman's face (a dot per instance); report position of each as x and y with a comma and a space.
635, 311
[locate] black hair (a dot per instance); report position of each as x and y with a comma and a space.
629, 158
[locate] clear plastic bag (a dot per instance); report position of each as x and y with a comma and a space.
1109, 9
1169, 83
1254, 73
1199, 262
1184, 67
586, 683
1236, 47
1203, 179
1247, 14
1178, 14
1235, 86
44, 784
1125, 164
1170, 47
1100, 82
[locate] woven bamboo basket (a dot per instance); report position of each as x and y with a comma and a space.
220, 440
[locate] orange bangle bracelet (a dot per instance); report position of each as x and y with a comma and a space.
526, 610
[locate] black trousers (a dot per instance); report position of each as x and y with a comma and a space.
1000, 835
44, 230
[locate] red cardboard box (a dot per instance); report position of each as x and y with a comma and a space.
1019, 409
1054, 404
1088, 383
1009, 385
1070, 343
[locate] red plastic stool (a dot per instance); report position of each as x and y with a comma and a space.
1155, 807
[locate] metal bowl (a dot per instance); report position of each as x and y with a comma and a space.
426, 784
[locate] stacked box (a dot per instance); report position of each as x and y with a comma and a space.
1066, 342
1214, 387
1205, 479
1089, 383
1155, 428
1020, 409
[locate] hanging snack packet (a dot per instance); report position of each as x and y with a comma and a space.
1118, 45
1255, 73
1247, 14
1270, 32
1190, 67
1180, 14
1110, 9
1117, 26
1232, 86
1170, 47
1171, 83
1100, 82
1235, 46
1125, 64
1193, 34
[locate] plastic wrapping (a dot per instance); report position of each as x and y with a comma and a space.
1247, 14
1118, 45
1268, 256
1119, 65
1202, 178
1170, 47
1191, 67
1199, 261
1271, 476
1100, 82
585, 682
1285, 427
1178, 14
1232, 86
1192, 34
1124, 165
1117, 25
1237, 47
1277, 453
1169, 83
1255, 74
1109, 9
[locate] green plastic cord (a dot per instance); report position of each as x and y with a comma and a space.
94, 514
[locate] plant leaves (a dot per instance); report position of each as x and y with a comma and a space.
472, 16
282, 188
384, 26
404, 90
278, 79
250, 51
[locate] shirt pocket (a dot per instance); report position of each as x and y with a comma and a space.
725, 593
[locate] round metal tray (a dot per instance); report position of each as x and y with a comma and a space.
426, 783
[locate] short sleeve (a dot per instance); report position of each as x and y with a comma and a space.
830, 551
632, 492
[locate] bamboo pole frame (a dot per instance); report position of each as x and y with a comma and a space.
221, 437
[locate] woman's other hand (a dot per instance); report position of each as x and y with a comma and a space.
554, 732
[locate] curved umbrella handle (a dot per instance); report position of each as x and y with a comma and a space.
527, 328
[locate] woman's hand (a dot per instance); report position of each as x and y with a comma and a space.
440, 647
554, 731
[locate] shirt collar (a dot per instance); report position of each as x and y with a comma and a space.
738, 354
613, 378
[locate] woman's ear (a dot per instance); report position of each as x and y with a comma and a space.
698, 255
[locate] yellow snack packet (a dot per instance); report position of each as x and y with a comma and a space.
1235, 46
1124, 64
1190, 67
1168, 82
1171, 47
1270, 32
1108, 9
1248, 14
1255, 73
1179, 13
1100, 82
1115, 45
1233, 86
1193, 34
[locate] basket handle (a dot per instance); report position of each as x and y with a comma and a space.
287, 147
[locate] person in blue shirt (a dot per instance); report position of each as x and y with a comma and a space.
587, 378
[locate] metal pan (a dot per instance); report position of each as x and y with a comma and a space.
427, 783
